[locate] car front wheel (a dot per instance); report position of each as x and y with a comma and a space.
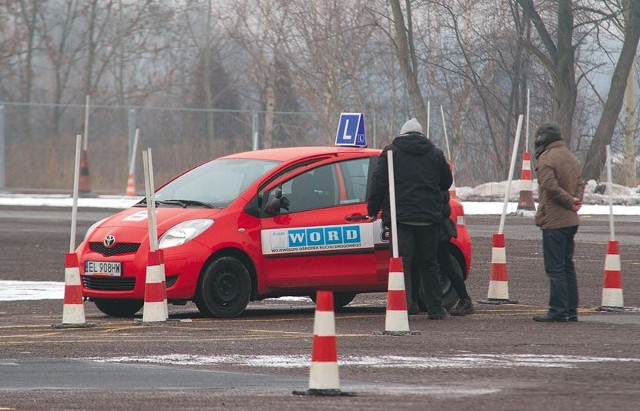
224, 288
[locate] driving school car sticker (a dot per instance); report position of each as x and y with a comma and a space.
320, 238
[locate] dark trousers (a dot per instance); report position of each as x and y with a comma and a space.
558, 247
446, 268
417, 246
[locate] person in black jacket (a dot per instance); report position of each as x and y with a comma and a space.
448, 230
421, 173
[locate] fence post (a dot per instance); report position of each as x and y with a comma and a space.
2, 158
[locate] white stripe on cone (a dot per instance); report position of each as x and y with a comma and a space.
324, 376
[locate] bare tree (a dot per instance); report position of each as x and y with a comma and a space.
596, 155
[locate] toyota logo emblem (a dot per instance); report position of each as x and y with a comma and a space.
109, 241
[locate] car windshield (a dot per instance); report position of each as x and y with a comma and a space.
213, 184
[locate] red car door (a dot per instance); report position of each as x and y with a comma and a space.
314, 242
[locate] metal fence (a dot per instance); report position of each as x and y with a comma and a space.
37, 141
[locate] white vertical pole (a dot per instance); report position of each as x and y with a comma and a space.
610, 193
392, 201
74, 206
446, 139
254, 126
151, 204
507, 192
132, 162
86, 124
526, 128
428, 117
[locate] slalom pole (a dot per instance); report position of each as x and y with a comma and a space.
86, 124
526, 127
151, 204
392, 201
132, 162
452, 189
514, 154
610, 193
428, 117
74, 206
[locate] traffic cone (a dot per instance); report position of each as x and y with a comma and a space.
73, 309
498, 282
155, 308
84, 183
131, 186
397, 317
612, 281
526, 202
324, 378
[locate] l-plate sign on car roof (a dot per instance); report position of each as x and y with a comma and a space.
351, 130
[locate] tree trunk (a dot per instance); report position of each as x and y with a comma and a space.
408, 60
596, 155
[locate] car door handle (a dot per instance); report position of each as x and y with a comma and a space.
356, 217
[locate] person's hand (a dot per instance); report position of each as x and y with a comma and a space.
371, 218
577, 204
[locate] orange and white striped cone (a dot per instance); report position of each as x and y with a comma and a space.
155, 294
526, 203
612, 282
397, 317
324, 377
73, 309
498, 281
131, 186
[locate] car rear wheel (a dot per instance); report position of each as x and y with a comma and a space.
449, 294
119, 308
224, 289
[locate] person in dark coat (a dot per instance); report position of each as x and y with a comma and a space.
448, 230
560, 192
421, 173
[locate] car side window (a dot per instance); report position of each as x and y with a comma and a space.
355, 175
314, 189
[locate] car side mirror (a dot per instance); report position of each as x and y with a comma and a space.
276, 203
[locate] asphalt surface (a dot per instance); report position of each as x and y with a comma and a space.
494, 359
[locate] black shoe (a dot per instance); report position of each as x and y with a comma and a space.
463, 307
548, 319
438, 315
572, 318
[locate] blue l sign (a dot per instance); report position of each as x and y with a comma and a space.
351, 130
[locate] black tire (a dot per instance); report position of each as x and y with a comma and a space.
340, 300
449, 295
224, 288
119, 308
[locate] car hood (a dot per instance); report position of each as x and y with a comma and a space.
166, 217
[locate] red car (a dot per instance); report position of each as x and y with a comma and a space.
248, 226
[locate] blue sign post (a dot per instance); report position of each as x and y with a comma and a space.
351, 130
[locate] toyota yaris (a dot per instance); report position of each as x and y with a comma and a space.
248, 226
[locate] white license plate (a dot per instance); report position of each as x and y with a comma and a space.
112, 269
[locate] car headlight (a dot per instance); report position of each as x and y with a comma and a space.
183, 232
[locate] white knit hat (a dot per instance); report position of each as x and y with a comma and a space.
411, 126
